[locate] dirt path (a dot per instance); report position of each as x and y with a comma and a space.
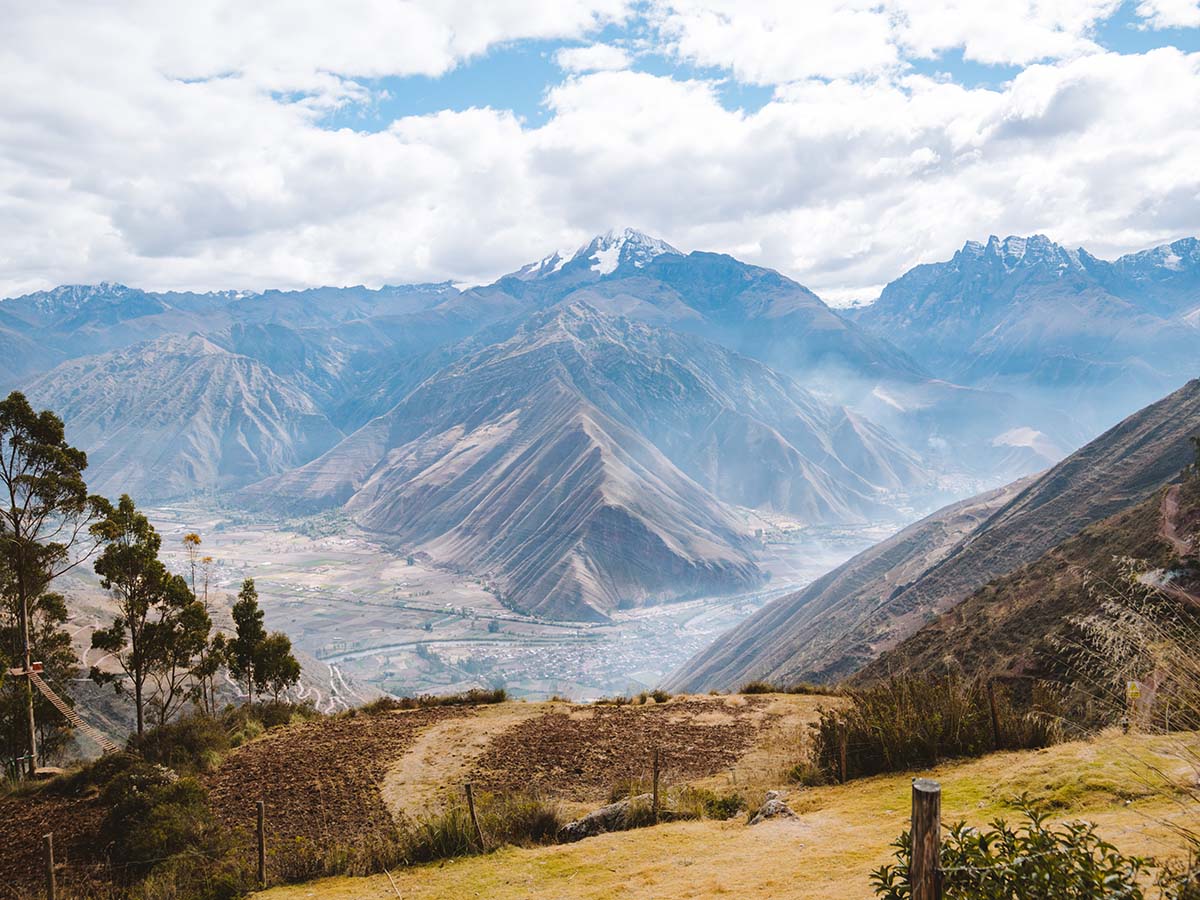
1168, 529
442, 756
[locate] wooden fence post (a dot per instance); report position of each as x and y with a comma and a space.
925, 868
262, 843
474, 817
991, 692
654, 801
48, 845
843, 747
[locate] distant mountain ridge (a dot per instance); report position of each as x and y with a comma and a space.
178, 415
1027, 315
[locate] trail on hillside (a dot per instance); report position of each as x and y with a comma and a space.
438, 763
1169, 531
1169, 528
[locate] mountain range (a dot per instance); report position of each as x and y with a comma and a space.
590, 431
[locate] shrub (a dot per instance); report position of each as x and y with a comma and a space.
505, 819
1069, 862
800, 687
423, 701
908, 722
153, 814
196, 743
701, 803
191, 744
758, 687
619, 700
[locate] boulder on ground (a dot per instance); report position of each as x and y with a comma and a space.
773, 807
614, 817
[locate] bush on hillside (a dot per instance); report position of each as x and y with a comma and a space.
800, 687
472, 697
196, 742
908, 722
153, 814
1067, 862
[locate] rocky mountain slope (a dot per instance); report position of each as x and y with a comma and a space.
180, 415
849, 617
590, 462
1017, 625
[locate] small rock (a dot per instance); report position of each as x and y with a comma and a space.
773, 807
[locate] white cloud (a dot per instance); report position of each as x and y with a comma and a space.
768, 42
772, 42
1014, 33
112, 167
593, 58
1170, 13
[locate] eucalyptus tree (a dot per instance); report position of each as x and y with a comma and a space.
160, 627
45, 514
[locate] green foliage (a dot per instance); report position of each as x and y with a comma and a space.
160, 627
154, 814
275, 668
1193, 471
907, 722
757, 687
1067, 862
263, 661
43, 522
249, 634
51, 645
800, 687
196, 743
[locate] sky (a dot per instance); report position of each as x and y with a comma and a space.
214, 145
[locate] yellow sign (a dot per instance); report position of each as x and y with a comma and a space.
1133, 690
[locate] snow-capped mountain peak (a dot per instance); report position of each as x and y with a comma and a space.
1017, 252
603, 254
617, 247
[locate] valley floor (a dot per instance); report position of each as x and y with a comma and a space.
370, 616
1128, 785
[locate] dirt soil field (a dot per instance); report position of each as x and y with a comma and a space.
25, 819
321, 780
581, 753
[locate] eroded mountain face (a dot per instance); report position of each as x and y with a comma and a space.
589, 462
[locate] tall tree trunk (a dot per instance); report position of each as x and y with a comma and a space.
138, 677
27, 658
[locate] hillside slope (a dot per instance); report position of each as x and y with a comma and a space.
178, 415
831, 628
1012, 625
